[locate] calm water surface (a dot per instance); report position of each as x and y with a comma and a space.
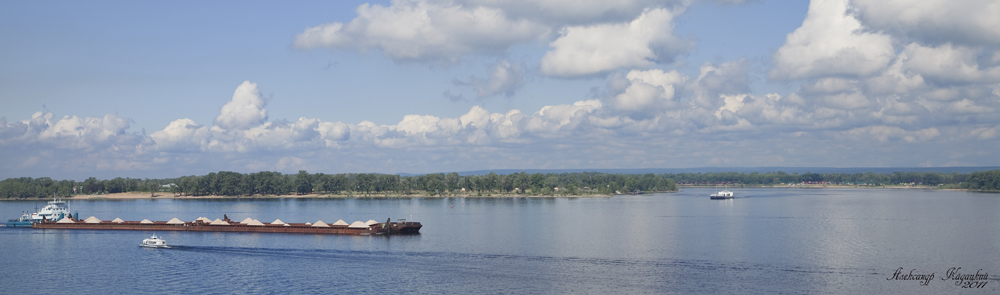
765, 241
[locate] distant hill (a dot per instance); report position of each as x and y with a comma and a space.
799, 170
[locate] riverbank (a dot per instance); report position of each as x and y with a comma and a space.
166, 195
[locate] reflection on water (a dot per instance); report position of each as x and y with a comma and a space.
763, 241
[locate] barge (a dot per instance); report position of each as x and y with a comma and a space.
248, 225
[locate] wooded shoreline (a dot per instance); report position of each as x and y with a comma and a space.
267, 184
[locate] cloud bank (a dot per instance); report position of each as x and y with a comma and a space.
875, 83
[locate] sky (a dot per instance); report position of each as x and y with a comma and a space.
154, 89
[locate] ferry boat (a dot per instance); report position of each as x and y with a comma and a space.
724, 194
154, 242
53, 211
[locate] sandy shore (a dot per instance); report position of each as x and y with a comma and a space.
141, 195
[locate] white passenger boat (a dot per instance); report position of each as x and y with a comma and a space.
724, 194
154, 242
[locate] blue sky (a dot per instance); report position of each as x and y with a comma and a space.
154, 89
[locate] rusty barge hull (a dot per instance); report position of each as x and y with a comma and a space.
392, 228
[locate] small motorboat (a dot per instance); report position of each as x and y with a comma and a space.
154, 242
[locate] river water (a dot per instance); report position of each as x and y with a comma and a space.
765, 241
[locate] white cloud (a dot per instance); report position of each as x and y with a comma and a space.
505, 78
42, 144
828, 85
69, 132
573, 12
967, 22
919, 81
713, 80
968, 106
948, 64
895, 79
476, 117
181, 134
413, 124
550, 120
417, 30
245, 110
885, 133
648, 91
731, 105
87, 129
831, 42
771, 109
846, 101
985, 133
333, 132
595, 49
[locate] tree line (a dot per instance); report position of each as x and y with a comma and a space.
863, 179
227, 183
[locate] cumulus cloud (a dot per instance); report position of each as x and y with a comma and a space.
716, 79
575, 12
831, 42
948, 64
595, 49
648, 91
181, 134
505, 78
515, 136
420, 30
885, 133
245, 110
985, 133
911, 79
934, 22
895, 79
70, 144
69, 132
883, 67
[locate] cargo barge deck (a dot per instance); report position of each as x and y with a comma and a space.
203, 225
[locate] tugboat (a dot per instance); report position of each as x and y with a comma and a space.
23, 221
154, 242
55, 210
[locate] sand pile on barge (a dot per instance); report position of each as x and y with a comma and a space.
224, 225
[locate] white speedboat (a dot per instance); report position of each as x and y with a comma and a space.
724, 194
154, 242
